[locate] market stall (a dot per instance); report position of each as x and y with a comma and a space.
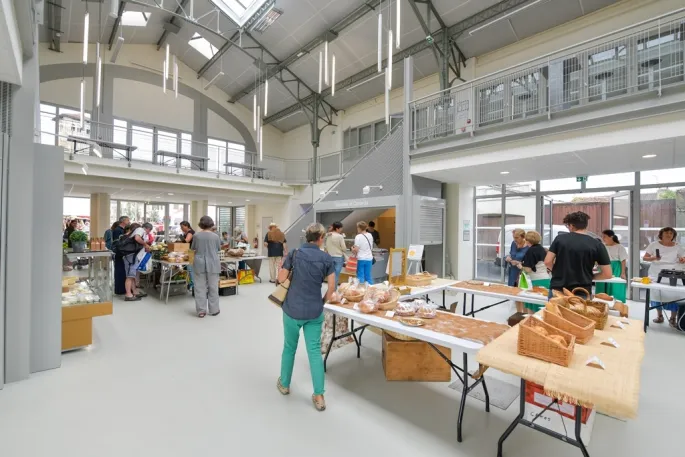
443, 333
85, 297
497, 291
603, 374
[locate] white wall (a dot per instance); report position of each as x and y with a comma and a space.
66, 92
217, 127
147, 103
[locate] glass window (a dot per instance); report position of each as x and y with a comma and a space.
211, 212
240, 217
142, 138
177, 214
520, 187
216, 151
48, 125
113, 216
186, 148
559, 184
120, 136
133, 210
489, 265
239, 11
135, 18
203, 46
70, 126
167, 142
671, 175
236, 153
661, 208
611, 180
489, 190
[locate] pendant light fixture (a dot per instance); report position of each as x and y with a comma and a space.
165, 71
86, 26
261, 142
380, 42
164, 77
98, 74
175, 77
320, 70
389, 59
397, 24
83, 100
325, 59
266, 96
387, 97
254, 111
333, 76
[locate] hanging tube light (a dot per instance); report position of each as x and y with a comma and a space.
266, 96
387, 98
86, 26
175, 77
380, 42
254, 112
98, 75
389, 59
83, 100
333, 76
166, 63
397, 25
325, 59
261, 142
320, 70
164, 66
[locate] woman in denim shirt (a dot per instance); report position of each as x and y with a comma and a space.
303, 308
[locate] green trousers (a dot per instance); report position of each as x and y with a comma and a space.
312, 339
618, 291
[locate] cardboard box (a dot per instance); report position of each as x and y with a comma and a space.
414, 361
559, 418
178, 247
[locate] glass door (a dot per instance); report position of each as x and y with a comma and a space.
156, 215
546, 230
489, 239
619, 211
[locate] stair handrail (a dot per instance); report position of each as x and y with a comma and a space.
344, 175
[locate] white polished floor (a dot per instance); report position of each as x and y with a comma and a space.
160, 382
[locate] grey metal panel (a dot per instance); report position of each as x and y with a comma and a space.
46, 311
382, 166
4, 151
428, 223
426, 187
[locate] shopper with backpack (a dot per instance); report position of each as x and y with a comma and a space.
119, 269
128, 247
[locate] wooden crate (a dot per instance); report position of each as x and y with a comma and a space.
77, 323
414, 361
178, 247
227, 283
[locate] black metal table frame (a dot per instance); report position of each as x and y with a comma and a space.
463, 377
577, 442
473, 312
649, 307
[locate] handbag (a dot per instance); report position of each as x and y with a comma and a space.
245, 277
277, 297
373, 259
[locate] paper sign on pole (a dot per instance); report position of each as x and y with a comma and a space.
415, 252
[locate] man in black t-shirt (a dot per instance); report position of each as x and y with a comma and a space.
572, 256
372, 230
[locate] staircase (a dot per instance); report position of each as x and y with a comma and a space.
380, 166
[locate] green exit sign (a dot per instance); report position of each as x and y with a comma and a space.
581, 178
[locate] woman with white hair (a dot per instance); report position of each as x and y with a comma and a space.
239, 236
309, 267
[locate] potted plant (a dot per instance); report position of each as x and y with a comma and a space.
79, 241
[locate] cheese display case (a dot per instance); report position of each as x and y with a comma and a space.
84, 297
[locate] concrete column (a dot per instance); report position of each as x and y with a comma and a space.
406, 204
19, 206
198, 208
100, 219
453, 233
251, 222
200, 128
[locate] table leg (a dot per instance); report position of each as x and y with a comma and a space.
443, 299
519, 417
464, 305
473, 299
579, 440
330, 346
161, 283
171, 275
464, 393
647, 303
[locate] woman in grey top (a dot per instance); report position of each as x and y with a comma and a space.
206, 268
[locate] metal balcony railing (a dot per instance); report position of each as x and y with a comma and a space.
642, 58
334, 165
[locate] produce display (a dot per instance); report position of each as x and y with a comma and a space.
175, 257
80, 293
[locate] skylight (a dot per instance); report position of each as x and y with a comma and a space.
239, 10
203, 46
135, 18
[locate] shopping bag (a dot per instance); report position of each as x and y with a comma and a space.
245, 277
525, 282
351, 265
145, 264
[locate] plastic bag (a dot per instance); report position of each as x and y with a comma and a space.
405, 308
368, 305
426, 310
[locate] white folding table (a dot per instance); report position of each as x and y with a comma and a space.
434, 339
680, 288
528, 298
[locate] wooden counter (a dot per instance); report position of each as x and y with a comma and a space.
77, 323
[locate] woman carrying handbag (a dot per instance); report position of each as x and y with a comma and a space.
304, 270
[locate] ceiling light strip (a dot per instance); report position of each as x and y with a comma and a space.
504, 17
166, 63
261, 142
175, 77
333, 76
320, 70
389, 59
83, 100
325, 59
117, 47
98, 75
86, 26
398, 19
380, 42
164, 68
254, 112
387, 99
266, 97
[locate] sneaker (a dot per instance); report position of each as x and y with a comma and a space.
215, 314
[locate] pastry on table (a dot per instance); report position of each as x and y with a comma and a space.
405, 309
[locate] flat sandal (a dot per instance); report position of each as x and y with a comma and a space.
320, 405
281, 388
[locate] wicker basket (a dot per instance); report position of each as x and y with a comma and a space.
581, 327
392, 304
532, 344
600, 319
420, 280
353, 296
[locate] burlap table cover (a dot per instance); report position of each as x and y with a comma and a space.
613, 391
